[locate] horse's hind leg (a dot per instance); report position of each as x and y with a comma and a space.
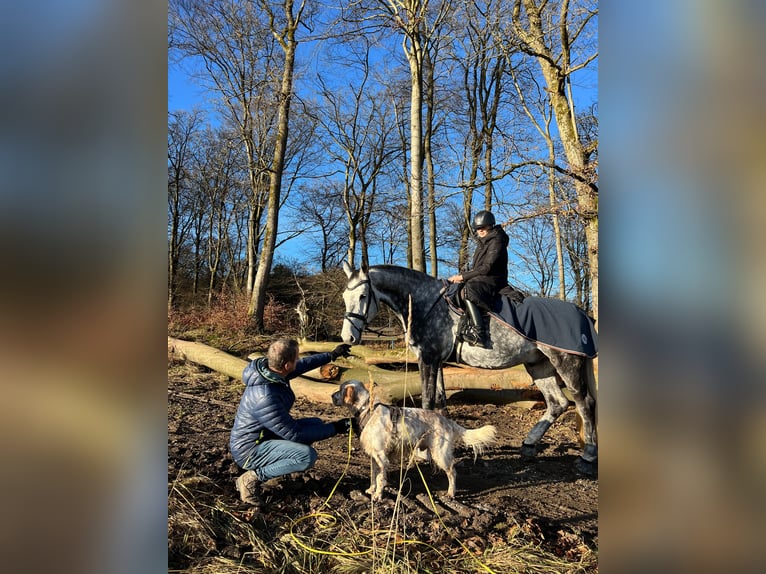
441, 393
576, 373
547, 382
585, 401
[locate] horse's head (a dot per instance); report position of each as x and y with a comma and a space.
361, 304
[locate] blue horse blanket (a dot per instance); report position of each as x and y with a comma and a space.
552, 322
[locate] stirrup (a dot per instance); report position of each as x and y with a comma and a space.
473, 337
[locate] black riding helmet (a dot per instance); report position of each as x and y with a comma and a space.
483, 219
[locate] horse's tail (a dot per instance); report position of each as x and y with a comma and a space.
479, 438
592, 389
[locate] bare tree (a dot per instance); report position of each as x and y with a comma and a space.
481, 68
576, 247
389, 228
532, 242
218, 182
537, 107
534, 255
417, 21
322, 208
557, 34
430, 127
359, 133
233, 42
183, 130
283, 26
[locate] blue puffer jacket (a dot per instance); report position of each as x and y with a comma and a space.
265, 406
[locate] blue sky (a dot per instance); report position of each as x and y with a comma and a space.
184, 93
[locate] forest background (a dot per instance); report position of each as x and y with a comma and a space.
371, 132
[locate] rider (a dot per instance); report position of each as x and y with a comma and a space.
487, 276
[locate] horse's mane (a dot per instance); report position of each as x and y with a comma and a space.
399, 283
403, 271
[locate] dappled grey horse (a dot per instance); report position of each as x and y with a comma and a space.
432, 336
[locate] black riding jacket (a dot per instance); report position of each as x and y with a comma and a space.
490, 260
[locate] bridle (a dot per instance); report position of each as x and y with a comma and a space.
364, 317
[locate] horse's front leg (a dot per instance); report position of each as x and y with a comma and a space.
441, 393
427, 386
433, 395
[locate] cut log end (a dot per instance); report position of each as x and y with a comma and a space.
329, 372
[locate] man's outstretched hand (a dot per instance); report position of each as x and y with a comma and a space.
343, 350
344, 425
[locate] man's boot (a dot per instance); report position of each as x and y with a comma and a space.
249, 488
474, 334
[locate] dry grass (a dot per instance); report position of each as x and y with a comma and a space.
206, 536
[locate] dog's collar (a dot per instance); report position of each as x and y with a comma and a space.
364, 415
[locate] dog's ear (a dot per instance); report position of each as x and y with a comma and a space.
349, 395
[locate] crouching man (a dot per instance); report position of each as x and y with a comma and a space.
266, 441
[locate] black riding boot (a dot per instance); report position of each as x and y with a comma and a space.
474, 334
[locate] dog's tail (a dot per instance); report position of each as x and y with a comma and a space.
479, 438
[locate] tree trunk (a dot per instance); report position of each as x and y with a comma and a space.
556, 72
258, 300
555, 215
415, 59
505, 385
430, 105
172, 266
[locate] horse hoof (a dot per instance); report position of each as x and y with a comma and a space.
528, 451
588, 468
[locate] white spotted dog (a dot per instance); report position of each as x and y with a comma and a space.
384, 429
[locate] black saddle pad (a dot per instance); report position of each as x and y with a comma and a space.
552, 322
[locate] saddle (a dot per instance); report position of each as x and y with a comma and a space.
455, 297
467, 331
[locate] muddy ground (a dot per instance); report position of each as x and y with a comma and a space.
543, 500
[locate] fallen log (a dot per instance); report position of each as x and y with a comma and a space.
327, 373
231, 366
499, 387
206, 355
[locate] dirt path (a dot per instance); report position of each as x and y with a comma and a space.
544, 499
